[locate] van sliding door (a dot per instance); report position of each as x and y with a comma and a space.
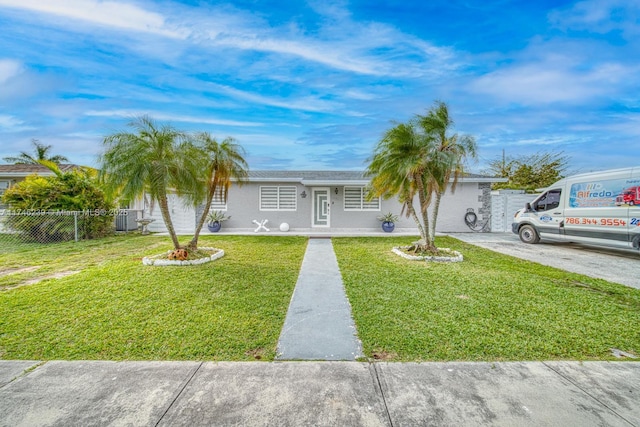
595, 215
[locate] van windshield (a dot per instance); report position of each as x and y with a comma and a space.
547, 201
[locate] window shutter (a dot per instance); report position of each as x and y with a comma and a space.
354, 200
217, 204
268, 198
287, 199
274, 198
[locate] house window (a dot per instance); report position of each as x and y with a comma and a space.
355, 200
3, 186
217, 204
276, 198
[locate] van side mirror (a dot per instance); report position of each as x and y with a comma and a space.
527, 207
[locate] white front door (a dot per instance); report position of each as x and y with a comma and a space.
321, 207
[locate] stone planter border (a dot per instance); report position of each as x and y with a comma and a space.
161, 260
457, 258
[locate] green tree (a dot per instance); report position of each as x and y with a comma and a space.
418, 159
151, 159
529, 172
222, 162
450, 153
41, 152
398, 168
76, 190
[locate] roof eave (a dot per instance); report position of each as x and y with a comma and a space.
23, 174
333, 182
489, 179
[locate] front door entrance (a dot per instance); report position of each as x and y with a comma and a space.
321, 207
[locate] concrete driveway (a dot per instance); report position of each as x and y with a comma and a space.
615, 265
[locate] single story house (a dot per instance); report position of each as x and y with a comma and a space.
307, 201
322, 201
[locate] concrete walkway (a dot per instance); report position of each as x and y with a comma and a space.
97, 393
318, 325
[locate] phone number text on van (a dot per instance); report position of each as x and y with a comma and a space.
606, 222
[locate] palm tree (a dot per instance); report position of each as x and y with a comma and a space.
449, 155
150, 159
399, 167
418, 159
223, 161
41, 153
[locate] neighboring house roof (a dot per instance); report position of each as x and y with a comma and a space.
21, 171
317, 178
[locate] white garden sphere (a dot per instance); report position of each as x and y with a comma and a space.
284, 227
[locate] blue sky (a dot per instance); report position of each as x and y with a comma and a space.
313, 85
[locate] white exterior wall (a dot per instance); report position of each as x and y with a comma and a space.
503, 208
453, 208
243, 206
182, 216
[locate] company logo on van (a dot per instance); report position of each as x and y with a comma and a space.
546, 218
596, 194
593, 187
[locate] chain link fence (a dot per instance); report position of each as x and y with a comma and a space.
47, 227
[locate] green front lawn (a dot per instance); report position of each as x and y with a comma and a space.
117, 309
489, 307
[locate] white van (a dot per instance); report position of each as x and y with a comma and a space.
600, 208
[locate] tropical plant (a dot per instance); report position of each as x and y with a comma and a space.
58, 205
417, 160
388, 217
217, 216
41, 153
221, 162
151, 159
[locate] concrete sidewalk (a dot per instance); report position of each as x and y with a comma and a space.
100, 393
318, 325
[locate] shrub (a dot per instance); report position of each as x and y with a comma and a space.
42, 206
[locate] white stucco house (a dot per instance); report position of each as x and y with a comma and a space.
322, 202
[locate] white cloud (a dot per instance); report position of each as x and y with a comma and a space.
600, 16
9, 122
8, 69
554, 140
130, 114
360, 95
302, 103
373, 49
340, 43
333, 58
12, 124
625, 126
107, 13
554, 79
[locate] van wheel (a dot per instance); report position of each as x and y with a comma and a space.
528, 234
